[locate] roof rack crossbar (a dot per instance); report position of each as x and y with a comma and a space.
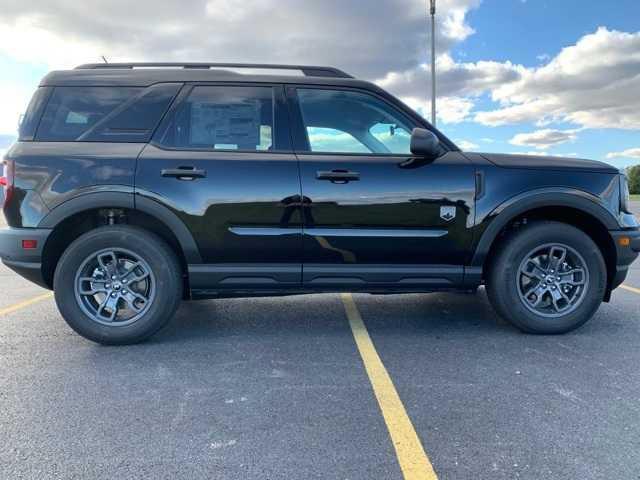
308, 71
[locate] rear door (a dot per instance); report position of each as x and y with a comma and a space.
375, 214
222, 161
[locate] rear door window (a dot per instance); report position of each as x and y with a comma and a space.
224, 118
72, 111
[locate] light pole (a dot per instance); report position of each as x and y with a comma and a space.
433, 62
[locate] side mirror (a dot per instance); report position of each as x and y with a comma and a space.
424, 143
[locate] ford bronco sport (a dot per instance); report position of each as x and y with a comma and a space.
135, 186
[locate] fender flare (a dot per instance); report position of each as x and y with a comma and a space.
94, 200
515, 206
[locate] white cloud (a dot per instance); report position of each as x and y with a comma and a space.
593, 83
14, 100
453, 79
543, 139
28, 39
466, 145
630, 153
63, 33
532, 153
233, 10
448, 109
453, 109
60, 34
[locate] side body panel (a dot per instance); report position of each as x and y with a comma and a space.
406, 221
402, 223
245, 211
509, 192
48, 174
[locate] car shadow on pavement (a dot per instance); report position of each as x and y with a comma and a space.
431, 314
217, 319
424, 314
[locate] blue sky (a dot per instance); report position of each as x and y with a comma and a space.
521, 76
531, 33
520, 31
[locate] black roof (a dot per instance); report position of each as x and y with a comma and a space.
307, 70
145, 74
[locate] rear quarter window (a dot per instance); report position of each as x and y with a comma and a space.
29, 123
72, 111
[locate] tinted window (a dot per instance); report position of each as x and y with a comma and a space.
33, 114
136, 119
342, 121
332, 140
72, 111
224, 118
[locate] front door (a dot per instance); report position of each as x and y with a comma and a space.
222, 161
373, 213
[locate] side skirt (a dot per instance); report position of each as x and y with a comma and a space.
266, 280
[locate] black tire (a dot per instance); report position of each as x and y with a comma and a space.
167, 281
503, 287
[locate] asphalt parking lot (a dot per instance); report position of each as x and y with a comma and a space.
289, 388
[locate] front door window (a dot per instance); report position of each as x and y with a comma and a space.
351, 122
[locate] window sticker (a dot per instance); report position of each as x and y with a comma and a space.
226, 125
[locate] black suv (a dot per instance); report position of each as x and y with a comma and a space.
135, 186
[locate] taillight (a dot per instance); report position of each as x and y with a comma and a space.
7, 179
8, 174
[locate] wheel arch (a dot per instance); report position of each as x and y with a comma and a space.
576, 208
81, 214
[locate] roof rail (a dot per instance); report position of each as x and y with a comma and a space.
308, 71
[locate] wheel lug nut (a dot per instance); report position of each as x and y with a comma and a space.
114, 295
113, 277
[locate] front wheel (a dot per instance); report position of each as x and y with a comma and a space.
547, 278
118, 285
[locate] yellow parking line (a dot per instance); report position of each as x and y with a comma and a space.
26, 303
631, 289
414, 463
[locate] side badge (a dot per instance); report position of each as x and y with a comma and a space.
447, 213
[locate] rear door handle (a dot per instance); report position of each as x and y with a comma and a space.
338, 176
183, 173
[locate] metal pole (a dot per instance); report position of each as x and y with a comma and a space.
433, 62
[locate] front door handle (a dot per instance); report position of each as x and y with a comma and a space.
338, 176
183, 173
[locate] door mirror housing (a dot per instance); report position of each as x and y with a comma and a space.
424, 143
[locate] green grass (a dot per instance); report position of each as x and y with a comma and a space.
635, 198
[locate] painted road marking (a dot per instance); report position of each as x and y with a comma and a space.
630, 289
26, 303
414, 463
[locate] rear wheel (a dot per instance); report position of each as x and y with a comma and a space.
547, 278
118, 285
